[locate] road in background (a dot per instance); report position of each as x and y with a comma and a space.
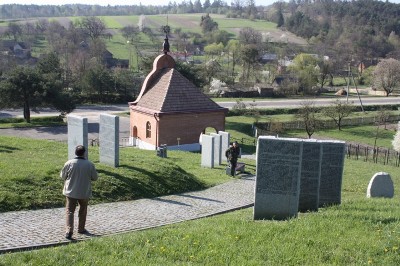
293, 103
92, 112
93, 115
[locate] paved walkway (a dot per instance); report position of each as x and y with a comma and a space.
24, 230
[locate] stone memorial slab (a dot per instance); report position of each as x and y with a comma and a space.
278, 171
330, 187
310, 174
226, 136
380, 185
207, 151
77, 134
109, 139
217, 148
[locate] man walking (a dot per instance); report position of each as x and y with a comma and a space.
77, 174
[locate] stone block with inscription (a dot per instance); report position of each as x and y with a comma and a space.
332, 163
77, 134
207, 151
278, 171
310, 175
109, 139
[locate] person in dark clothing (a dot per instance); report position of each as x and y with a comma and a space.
232, 154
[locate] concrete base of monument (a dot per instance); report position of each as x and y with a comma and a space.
147, 146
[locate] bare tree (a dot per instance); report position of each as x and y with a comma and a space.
94, 27
386, 75
130, 32
249, 35
14, 30
337, 111
307, 114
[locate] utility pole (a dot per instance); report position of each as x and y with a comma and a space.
350, 75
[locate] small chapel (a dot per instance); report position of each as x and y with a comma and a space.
170, 110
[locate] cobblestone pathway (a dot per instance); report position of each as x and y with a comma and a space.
40, 228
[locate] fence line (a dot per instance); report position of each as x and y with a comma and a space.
326, 124
357, 151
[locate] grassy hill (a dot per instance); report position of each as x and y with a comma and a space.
186, 22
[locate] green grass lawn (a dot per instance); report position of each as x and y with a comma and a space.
360, 231
29, 176
35, 122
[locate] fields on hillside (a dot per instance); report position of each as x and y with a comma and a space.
187, 22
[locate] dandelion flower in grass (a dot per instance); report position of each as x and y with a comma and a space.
395, 248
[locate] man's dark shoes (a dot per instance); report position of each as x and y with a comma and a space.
68, 236
84, 232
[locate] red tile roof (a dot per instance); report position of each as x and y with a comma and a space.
170, 91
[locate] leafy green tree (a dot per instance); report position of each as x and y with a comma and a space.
192, 73
214, 50
97, 83
208, 24
197, 8
30, 88
55, 94
249, 56
281, 19
306, 69
233, 52
22, 88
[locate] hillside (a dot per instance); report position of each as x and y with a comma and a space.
186, 22
357, 30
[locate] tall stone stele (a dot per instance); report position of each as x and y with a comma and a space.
277, 186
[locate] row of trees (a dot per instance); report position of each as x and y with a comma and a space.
30, 88
237, 8
353, 30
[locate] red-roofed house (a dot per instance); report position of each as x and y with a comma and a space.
171, 110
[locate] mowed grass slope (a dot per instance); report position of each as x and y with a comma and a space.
29, 175
359, 231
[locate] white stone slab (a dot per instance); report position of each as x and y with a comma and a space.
380, 185
77, 134
217, 148
207, 151
109, 139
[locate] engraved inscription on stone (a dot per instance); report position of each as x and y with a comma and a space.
333, 153
277, 178
310, 173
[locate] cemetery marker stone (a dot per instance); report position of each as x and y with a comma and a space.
277, 186
77, 134
109, 139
